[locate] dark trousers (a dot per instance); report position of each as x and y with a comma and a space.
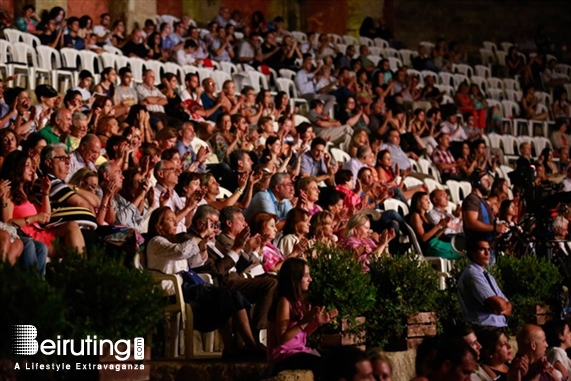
260, 293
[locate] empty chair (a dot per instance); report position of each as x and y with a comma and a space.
496, 94
511, 84
495, 83
396, 205
463, 69
487, 57
300, 36
30, 39
445, 78
341, 157
540, 142
350, 40
513, 95
287, 73
511, 112
495, 140
137, 64
109, 59
49, 59
91, 61
257, 80
483, 71
390, 52
510, 146
366, 41
373, 50
501, 57
26, 61
375, 59
13, 35
406, 56
383, 44
490, 46
395, 63
70, 58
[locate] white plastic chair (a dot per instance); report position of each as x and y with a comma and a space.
229, 67
30, 39
466, 188
480, 81
396, 205
463, 69
26, 61
300, 36
366, 41
390, 52
49, 59
383, 44
113, 50
509, 144
287, 85
511, 111
483, 71
158, 68
428, 45
287, 73
219, 78
511, 84
490, 46
13, 35
432, 184
224, 193
457, 79
406, 56
513, 95
506, 46
445, 78
454, 188
495, 83
91, 61
394, 62
137, 65
177, 70
496, 94
501, 57
487, 57
341, 157
350, 40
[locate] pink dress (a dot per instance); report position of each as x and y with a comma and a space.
351, 198
272, 256
277, 352
370, 246
27, 209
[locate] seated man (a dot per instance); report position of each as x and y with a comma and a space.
453, 128
326, 128
316, 162
483, 303
124, 92
439, 199
135, 47
444, 160
306, 79
58, 129
167, 174
212, 104
398, 156
530, 362
85, 155
274, 200
366, 63
231, 262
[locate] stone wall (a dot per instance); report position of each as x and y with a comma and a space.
474, 21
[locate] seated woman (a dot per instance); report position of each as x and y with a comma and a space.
466, 100
211, 189
419, 127
500, 189
174, 108
8, 143
558, 338
292, 319
353, 115
264, 224
23, 209
321, 228
212, 307
358, 139
495, 354
561, 108
272, 157
295, 229
366, 243
346, 185
480, 106
388, 175
428, 235
107, 88
560, 138
135, 200
529, 105
224, 141
546, 159
251, 111
309, 192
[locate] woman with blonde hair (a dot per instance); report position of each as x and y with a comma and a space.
106, 127
382, 365
359, 237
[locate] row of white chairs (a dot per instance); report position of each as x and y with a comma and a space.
510, 144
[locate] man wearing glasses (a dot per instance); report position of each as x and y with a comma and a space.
274, 200
167, 174
85, 155
483, 303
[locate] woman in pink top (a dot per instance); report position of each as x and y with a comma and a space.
366, 243
292, 319
23, 209
264, 224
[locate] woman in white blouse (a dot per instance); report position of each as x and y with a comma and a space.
558, 337
212, 307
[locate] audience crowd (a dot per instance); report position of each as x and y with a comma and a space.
219, 178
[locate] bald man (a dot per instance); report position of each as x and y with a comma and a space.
530, 362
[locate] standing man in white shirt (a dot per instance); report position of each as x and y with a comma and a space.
305, 80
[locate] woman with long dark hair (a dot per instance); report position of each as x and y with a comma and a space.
28, 212
293, 319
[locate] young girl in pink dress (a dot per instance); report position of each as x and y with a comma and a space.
292, 319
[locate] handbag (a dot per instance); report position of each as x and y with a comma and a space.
192, 277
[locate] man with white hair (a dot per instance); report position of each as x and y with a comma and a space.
85, 155
149, 95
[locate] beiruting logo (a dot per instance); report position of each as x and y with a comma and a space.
24, 343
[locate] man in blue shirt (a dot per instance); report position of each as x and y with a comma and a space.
274, 200
483, 303
316, 161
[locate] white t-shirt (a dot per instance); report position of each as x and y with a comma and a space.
557, 354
